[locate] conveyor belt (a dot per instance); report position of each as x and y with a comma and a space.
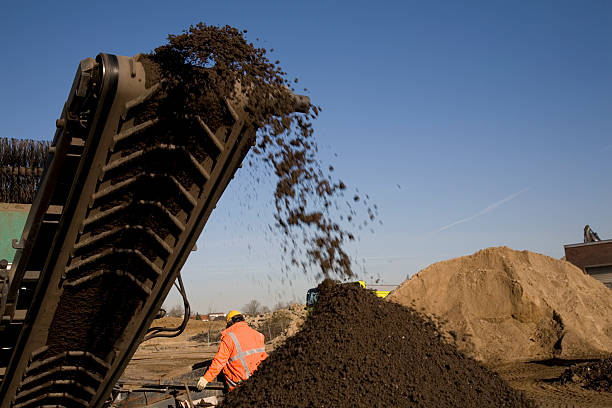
121, 204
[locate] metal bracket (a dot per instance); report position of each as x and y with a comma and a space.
17, 243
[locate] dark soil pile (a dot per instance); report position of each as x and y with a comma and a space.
593, 376
206, 65
357, 350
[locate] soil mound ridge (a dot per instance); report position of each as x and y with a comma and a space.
356, 350
505, 305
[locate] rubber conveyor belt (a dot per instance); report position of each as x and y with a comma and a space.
121, 204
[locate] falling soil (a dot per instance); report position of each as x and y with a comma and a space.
501, 305
593, 376
206, 62
357, 350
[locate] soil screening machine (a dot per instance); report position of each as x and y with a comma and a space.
122, 200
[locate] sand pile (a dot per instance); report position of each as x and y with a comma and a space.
357, 350
504, 305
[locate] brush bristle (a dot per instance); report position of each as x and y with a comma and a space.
21, 165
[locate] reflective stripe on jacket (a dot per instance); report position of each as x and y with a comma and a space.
240, 352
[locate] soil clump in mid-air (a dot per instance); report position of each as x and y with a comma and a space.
206, 66
501, 305
357, 350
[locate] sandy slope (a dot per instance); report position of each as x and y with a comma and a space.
504, 305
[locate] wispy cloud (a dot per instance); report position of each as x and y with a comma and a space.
482, 212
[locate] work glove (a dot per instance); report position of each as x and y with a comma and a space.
202, 384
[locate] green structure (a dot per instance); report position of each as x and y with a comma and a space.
12, 220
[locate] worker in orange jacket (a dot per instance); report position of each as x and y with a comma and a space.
240, 352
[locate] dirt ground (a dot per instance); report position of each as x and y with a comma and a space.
160, 358
538, 381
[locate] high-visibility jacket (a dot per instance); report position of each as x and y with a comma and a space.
240, 352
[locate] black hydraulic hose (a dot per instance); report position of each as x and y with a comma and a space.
174, 331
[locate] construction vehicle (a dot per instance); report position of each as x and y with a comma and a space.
120, 205
312, 295
593, 256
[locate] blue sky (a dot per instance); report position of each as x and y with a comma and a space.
471, 124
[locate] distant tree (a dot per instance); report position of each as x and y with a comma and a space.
198, 317
176, 311
252, 308
281, 305
265, 309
